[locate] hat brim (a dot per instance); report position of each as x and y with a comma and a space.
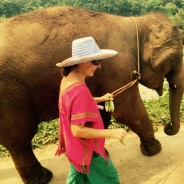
102, 54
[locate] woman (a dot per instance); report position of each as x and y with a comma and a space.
82, 134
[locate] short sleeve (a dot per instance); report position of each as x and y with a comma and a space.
84, 109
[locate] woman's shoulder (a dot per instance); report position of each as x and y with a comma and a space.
80, 89
74, 88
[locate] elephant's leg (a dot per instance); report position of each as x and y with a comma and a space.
19, 146
142, 126
28, 166
133, 114
149, 145
17, 128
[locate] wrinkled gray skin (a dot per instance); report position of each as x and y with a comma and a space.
31, 45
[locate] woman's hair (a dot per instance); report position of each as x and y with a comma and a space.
66, 70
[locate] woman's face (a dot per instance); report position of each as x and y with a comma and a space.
89, 68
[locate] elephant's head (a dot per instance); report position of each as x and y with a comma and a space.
162, 56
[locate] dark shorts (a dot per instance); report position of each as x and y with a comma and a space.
101, 172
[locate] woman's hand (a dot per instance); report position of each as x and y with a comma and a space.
118, 133
107, 96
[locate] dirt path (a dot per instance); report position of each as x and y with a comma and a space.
165, 168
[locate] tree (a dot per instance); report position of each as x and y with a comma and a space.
9, 8
178, 18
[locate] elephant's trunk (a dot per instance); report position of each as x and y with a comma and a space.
175, 97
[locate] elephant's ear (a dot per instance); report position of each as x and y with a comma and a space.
161, 44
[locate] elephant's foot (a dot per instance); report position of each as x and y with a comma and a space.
28, 166
42, 176
150, 148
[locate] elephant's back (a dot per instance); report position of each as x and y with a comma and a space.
55, 17
45, 36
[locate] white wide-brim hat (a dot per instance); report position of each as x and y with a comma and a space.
85, 50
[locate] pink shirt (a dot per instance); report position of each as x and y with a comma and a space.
77, 106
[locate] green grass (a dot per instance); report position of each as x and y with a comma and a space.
157, 109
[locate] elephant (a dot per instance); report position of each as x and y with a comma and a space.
150, 50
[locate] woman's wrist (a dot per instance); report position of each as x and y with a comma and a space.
98, 99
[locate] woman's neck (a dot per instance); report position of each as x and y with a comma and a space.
73, 77
76, 76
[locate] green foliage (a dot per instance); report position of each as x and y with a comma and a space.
8, 8
178, 19
3, 152
115, 124
158, 110
47, 133
153, 6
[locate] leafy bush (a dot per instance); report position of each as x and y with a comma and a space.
47, 133
3, 151
158, 110
115, 124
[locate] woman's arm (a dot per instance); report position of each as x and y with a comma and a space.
79, 130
